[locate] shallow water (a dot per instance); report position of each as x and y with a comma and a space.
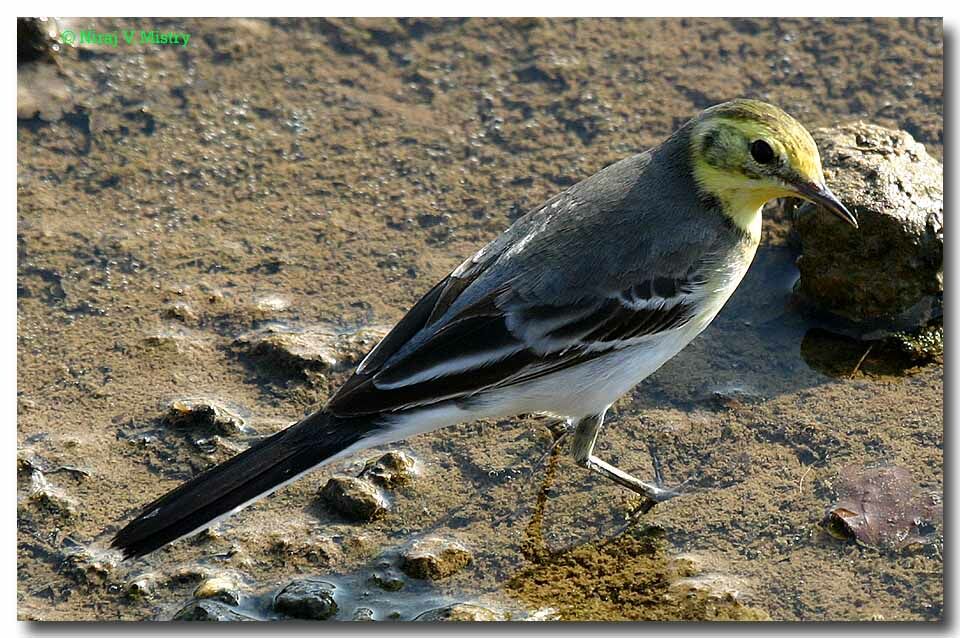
311, 173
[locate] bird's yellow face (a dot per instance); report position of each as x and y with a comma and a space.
746, 153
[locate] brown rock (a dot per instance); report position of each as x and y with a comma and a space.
308, 599
459, 612
888, 275
222, 588
204, 413
319, 347
355, 499
435, 558
391, 470
210, 611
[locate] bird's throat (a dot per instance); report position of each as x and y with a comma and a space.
739, 203
745, 212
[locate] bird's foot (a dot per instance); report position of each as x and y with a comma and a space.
659, 491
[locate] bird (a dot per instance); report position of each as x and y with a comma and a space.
562, 314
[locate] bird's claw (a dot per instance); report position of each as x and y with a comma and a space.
662, 493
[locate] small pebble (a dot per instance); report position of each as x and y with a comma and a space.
204, 413
434, 558
87, 568
387, 580
49, 499
180, 311
353, 498
307, 599
459, 612
391, 470
323, 347
141, 587
363, 614
210, 611
222, 588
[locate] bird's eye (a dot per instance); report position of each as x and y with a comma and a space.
761, 152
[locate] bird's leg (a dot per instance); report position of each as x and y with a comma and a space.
585, 438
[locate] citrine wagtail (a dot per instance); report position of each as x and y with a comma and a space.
566, 311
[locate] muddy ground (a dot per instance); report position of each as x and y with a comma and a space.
171, 200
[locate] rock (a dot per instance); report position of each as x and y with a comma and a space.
321, 347
888, 275
25, 405
27, 464
387, 580
923, 344
181, 311
363, 614
308, 599
353, 498
882, 507
731, 396
222, 588
189, 574
210, 611
177, 340
87, 567
48, 499
434, 558
544, 614
459, 612
204, 413
270, 304
391, 470
141, 587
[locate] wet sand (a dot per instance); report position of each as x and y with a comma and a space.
329, 172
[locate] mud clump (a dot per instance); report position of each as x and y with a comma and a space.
321, 347
886, 277
434, 558
204, 413
222, 588
387, 580
392, 470
460, 612
307, 599
47, 500
210, 611
87, 568
141, 587
353, 498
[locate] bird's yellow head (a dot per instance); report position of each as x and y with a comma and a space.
746, 153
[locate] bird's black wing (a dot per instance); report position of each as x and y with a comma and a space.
502, 340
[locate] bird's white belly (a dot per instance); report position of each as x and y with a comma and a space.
591, 387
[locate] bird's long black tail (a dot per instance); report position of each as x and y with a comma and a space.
247, 476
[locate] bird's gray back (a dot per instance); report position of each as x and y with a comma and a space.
639, 218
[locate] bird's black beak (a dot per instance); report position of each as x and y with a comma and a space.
820, 195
